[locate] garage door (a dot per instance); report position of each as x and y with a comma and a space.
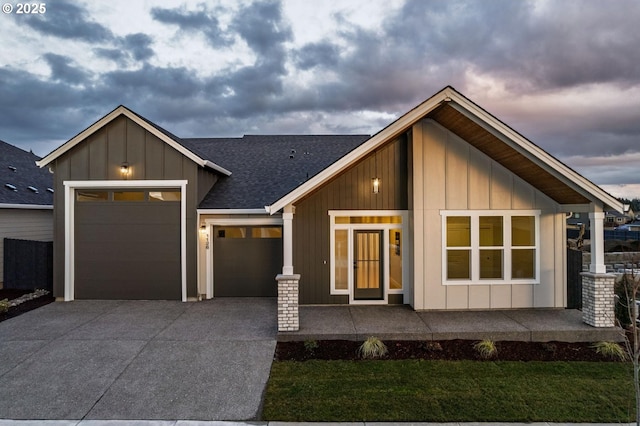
246, 260
127, 244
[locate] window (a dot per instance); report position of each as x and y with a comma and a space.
488, 247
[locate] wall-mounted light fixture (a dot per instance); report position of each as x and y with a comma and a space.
124, 168
375, 185
375, 181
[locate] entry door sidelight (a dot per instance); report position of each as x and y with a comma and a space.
368, 265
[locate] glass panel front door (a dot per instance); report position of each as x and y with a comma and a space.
368, 265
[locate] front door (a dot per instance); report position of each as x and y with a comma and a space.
367, 265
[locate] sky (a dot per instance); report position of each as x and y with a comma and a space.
563, 73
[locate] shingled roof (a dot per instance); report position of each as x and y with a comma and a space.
23, 183
267, 167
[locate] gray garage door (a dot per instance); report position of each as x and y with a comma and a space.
246, 260
127, 244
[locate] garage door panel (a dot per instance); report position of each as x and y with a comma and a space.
127, 250
246, 267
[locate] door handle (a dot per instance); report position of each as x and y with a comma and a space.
355, 265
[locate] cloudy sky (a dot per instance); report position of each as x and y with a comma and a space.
564, 73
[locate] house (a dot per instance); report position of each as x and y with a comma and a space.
445, 208
26, 198
614, 218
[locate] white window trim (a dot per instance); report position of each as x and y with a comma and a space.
475, 247
350, 227
70, 188
210, 223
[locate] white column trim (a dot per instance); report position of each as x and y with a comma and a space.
596, 222
287, 240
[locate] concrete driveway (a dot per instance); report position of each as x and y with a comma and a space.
156, 360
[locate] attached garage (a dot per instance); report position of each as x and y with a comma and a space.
246, 260
127, 244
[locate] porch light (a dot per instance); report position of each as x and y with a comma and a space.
124, 168
375, 184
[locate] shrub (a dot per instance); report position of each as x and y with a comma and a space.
4, 306
610, 350
486, 348
372, 348
310, 345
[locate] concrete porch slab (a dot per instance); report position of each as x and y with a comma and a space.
564, 325
397, 322
474, 325
349, 322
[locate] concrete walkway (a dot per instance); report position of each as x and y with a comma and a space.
398, 322
143, 360
220, 423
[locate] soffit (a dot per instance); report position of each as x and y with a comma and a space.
506, 155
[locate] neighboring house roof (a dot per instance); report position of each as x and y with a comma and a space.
154, 129
24, 185
267, 167
489, 135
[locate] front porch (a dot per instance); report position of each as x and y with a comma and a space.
400, 322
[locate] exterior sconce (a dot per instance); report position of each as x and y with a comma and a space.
124, 168
375, 185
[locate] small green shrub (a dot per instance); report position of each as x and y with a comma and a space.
372, 348
310, 345
610, 350
4, 306
486, 348
550, 347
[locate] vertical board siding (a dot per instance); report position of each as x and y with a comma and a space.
350, 190
450, 174
22, 224
100, 156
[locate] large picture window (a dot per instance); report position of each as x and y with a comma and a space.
490, 247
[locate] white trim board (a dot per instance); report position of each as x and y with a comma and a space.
26, 206
69, 223
122, 110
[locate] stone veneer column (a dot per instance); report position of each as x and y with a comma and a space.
288, 313
598, 299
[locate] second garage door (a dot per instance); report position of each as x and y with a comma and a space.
246, 260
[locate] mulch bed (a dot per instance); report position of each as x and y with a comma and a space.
14, 311
450, 350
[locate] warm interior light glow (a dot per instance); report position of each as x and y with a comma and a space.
124, 168
376, 185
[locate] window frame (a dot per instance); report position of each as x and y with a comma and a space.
475, 247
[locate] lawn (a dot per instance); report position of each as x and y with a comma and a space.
449, 391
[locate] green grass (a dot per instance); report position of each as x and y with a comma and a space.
447, 391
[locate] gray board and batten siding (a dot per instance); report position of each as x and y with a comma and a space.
100, 156
350, 190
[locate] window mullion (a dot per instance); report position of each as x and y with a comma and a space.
507, 247
475, 248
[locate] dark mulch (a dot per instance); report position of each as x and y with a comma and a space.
440, 350
8, 293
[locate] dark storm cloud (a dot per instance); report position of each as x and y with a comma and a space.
153, 81
138, 45
311, 55
63, 69
203, 21
67, 20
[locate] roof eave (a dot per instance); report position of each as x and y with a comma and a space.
392, 130
458, 101
122, 110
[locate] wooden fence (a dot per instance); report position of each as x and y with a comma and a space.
28, 264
